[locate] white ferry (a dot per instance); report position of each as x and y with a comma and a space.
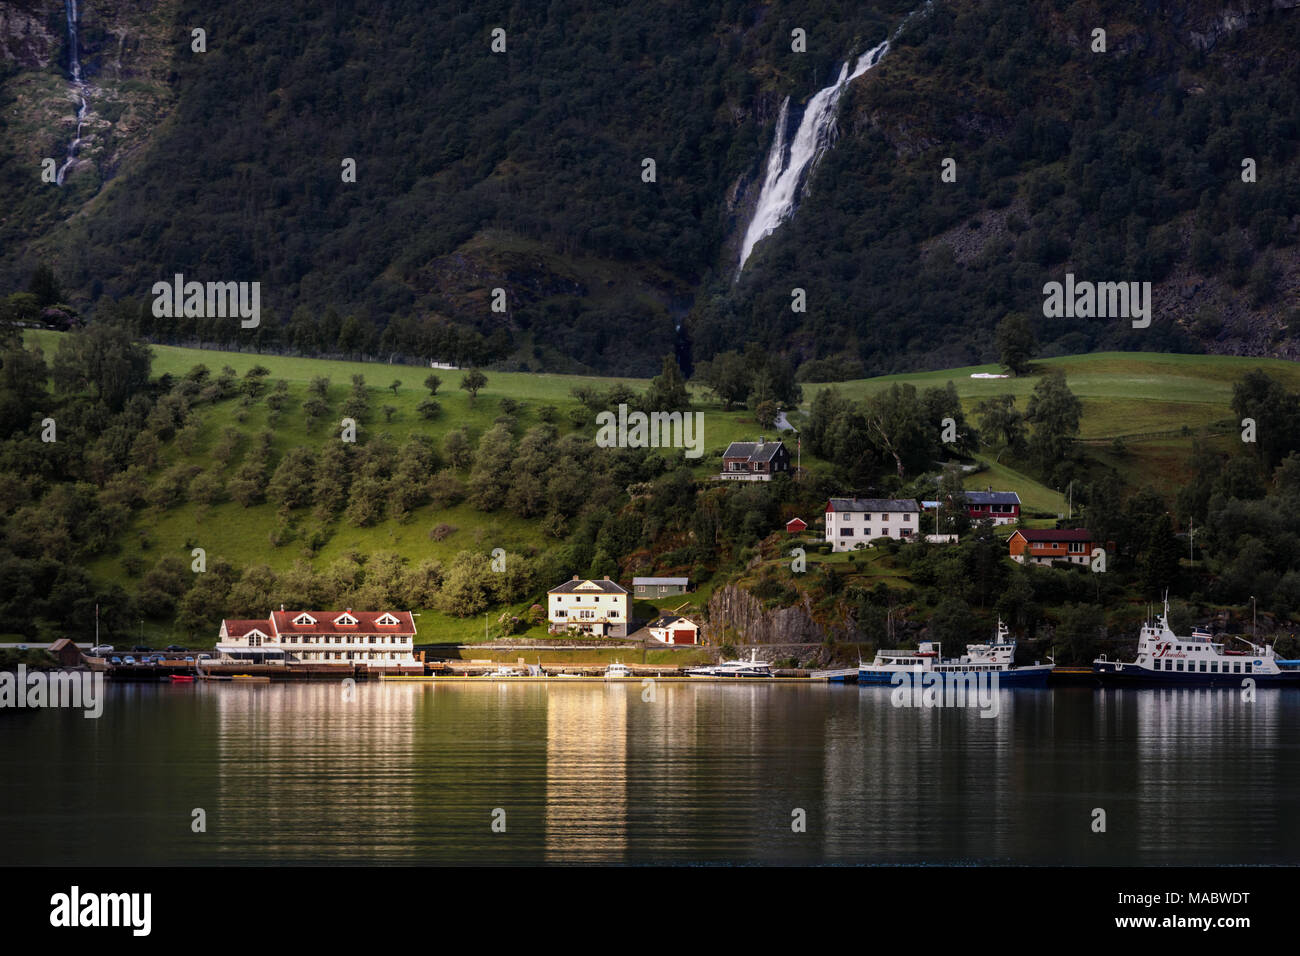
1165, 659
750, 668
617, 670
995, 657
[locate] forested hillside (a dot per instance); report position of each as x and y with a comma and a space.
523, 170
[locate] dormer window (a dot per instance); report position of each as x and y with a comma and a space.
387, 620
345, 620
304, 620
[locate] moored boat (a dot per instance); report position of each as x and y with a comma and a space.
996, 657
1166, 660
739, 668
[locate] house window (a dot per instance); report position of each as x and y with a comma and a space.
885, 516
907, 517
846, 532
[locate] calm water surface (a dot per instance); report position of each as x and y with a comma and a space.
411, 773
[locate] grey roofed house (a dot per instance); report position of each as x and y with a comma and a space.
661, 585
873, 504
603, 584
664, 620
993, 497
753, 450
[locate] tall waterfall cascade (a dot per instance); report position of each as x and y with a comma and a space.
74, 67
790, 165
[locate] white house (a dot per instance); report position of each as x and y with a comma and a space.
673, 629
375, 638
599, 608
853, 522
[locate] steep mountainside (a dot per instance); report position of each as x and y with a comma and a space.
524, 170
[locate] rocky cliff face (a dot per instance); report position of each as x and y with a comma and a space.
737, 617
26, 36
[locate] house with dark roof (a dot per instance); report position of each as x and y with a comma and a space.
674, 629
851, 523
1000, 507
754, 460
588, 606
660, 587
1043, 545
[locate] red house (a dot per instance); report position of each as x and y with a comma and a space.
1043, 546
795, 525
1000, 507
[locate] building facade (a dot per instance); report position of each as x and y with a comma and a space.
660, 587
852, 522
1042, 546
754, 461
672, 629
374, 638
1000, 507
599, 608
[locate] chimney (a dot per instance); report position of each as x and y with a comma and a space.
607, 577
281, 608
575, 577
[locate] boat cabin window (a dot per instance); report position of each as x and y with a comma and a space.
1248, 668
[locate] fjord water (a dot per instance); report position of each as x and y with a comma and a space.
412, 773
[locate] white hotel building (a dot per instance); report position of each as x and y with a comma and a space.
375, 638
852, 522
599, 608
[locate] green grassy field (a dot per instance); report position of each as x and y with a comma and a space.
1158, 401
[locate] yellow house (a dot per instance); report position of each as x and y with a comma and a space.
599, 608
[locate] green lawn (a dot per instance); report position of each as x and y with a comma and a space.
1123, 393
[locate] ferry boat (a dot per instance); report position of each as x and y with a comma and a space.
1164, 659
994, 657
750, 668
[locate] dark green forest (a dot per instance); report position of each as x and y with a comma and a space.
522, 170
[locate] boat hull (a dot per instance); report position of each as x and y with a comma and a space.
1130, 676
1016, 677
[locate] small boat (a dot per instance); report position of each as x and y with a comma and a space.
617, 670
181, 679
503, 671
739, 668
251, 679
995, 657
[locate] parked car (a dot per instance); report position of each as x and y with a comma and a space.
176, 647
189, 660
115, 660
142, 647
22, 647
101, 650
128, 660
205, 657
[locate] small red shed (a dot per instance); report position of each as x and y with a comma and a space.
795, 525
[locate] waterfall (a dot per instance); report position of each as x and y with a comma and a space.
74, 67
789, 169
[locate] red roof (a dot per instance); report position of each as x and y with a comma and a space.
1060, 534
367, 622
796, 522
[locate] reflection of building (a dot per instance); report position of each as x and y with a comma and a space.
377, 638
586, 810
592, 607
